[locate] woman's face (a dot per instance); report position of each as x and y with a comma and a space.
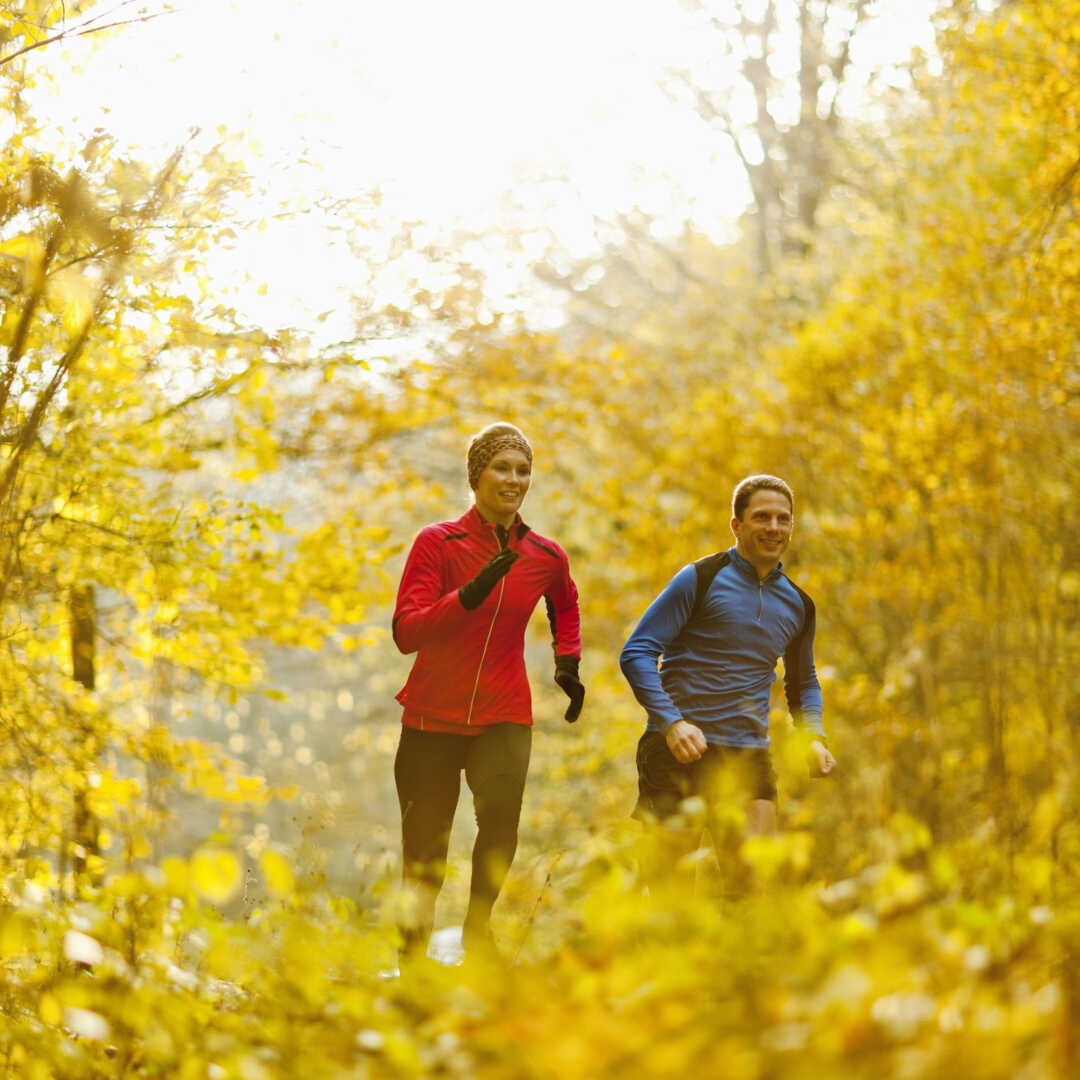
502, 485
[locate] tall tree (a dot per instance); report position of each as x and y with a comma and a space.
134, 407
782, 112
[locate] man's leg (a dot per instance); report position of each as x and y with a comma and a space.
427, 772
734, 777
495, 769
724, 796
761, 817
760, 777
673, 830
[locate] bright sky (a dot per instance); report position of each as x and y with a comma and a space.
448, 105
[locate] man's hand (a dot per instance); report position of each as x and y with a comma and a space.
686, 741
819, 759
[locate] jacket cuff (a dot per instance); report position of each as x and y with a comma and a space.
567, 665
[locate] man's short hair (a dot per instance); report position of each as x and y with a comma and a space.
744, 491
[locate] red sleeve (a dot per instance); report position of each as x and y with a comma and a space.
423, 613
563, 614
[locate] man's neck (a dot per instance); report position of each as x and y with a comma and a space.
762, 570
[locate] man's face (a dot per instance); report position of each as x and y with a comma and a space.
763, 534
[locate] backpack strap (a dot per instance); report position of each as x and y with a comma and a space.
705, 570
793, 673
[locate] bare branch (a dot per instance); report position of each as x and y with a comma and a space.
95, 253
80, 31
164, 542
633, 228
843, 57
18, 342
1062, 195
218, 386
30, 428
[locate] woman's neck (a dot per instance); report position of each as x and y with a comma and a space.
495, 519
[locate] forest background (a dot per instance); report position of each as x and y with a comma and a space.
203, 519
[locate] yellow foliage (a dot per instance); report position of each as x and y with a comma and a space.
177, 876
216, 874
277, 872
914, 377
29, 252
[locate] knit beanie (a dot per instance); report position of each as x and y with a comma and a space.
484, 445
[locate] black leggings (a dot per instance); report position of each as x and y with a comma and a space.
427, 771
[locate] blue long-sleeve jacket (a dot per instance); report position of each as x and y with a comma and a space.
718, 667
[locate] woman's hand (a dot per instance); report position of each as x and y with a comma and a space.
473, 593
566, 677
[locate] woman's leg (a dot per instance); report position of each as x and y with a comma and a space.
427, 772
496, 766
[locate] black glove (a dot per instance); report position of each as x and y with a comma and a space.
566, 677
473, 593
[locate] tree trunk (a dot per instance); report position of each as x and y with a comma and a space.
84, 824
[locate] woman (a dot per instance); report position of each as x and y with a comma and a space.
466, 595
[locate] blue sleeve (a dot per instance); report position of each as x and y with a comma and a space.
801, 684
659, 626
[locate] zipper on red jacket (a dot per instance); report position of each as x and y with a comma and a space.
483, 654
487, 641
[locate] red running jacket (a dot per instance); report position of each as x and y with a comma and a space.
470, 668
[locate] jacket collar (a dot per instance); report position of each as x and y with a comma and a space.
474, 523
744, 566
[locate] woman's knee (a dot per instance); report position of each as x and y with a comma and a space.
497, 801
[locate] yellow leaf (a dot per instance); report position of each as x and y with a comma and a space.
12, 314
215, 873
75, 296
30, 251
1046, 818
247, 789
15, 936
277, 872
50, 1011
176, 875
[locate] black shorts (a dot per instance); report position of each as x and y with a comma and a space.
664, 782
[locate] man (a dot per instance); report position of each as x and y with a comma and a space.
719, 628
